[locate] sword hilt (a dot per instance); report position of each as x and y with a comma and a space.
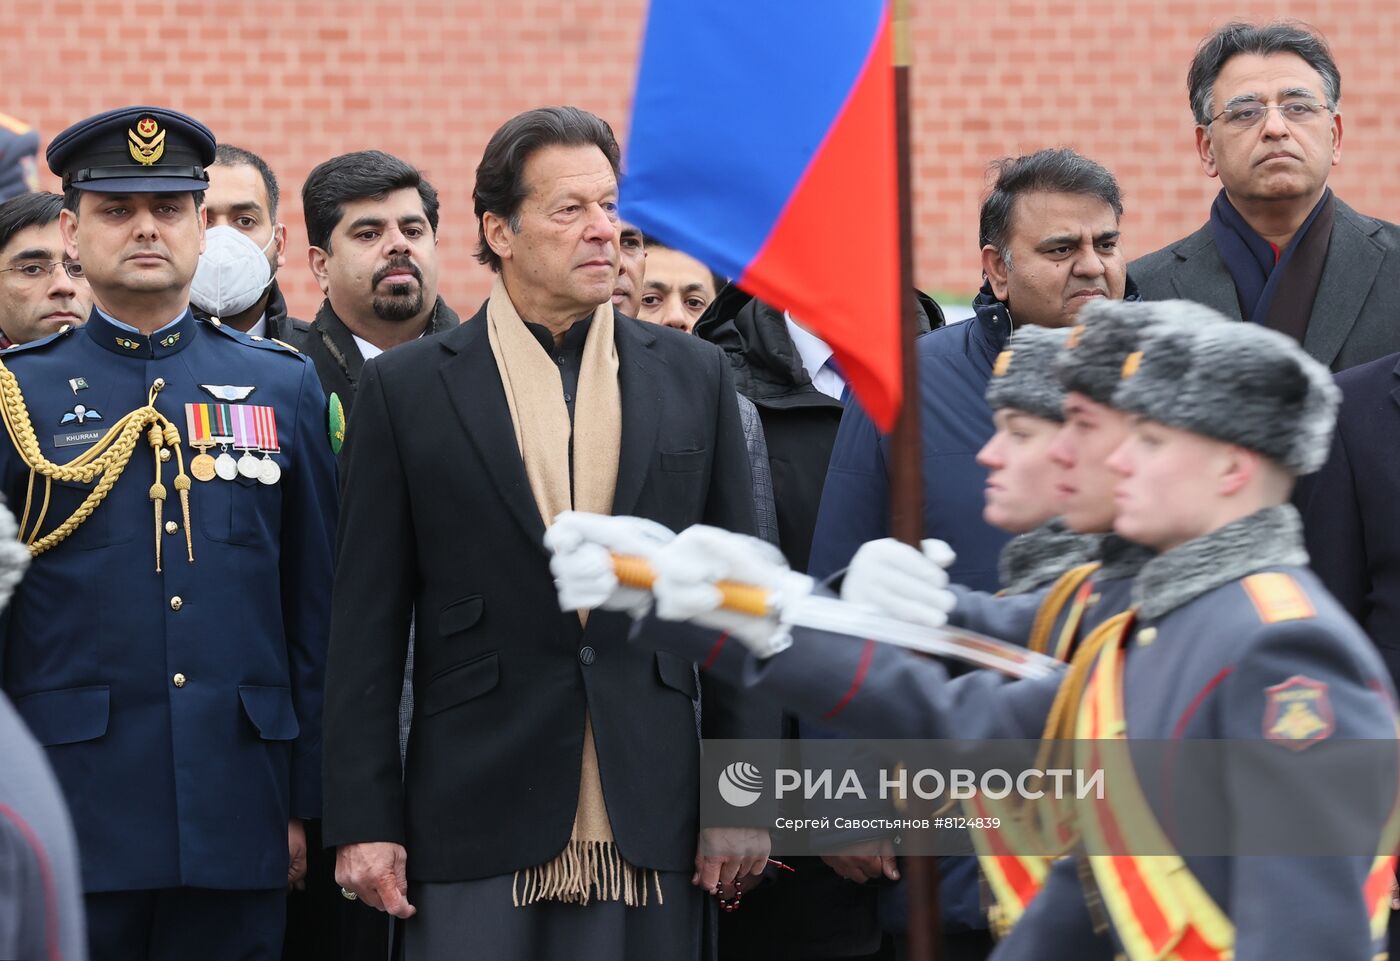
638, 574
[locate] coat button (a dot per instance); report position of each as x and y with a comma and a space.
179, 680
171, 527
164, 454
176, 602
159, 383
1146, 636
587, 656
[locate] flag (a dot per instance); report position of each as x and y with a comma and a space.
762, 142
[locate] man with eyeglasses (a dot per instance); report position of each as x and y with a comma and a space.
41, 289
1280, 249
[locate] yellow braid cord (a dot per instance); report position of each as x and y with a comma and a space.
103, 462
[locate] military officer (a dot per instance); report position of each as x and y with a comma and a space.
176, 488
1230, 637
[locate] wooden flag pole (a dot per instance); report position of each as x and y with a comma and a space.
906, 461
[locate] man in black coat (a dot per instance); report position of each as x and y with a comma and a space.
548, 807
1279, 248
372, 221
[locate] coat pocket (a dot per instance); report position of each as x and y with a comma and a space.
676, 673
242, 511
68, 716
457, 685
270, 709
681, 461
460, 615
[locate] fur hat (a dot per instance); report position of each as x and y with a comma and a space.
1236, 382
1107, 332
1024, 374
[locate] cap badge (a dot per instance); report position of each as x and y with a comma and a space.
146, 142
1131, 363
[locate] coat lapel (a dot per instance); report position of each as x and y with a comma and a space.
1353, 260
474, 387
639, 382
1203, 277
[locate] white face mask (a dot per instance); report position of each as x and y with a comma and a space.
232, 273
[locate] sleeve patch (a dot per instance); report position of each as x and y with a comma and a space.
1298, 713
1278, 597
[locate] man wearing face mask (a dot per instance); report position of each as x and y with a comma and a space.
372, 222
243, 248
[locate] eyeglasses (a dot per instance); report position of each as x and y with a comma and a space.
32, 272
1248, 114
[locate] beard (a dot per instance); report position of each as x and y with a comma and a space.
403, 301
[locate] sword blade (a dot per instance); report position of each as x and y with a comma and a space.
832, 614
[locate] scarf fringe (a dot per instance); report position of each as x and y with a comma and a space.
586, 871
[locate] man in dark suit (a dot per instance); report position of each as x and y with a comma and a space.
372, 221
1280, 249
548, 808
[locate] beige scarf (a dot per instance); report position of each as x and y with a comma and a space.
589, 866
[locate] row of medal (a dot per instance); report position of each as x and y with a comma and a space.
249, 428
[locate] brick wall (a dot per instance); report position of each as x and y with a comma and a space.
301, 80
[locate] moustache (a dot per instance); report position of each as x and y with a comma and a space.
397, 267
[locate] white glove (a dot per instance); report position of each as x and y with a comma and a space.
893, 579
582, 565
688, 568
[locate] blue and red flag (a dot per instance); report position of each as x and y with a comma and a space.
763, 143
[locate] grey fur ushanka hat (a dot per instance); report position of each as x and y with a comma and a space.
1108, 331
1024, 374
1236, 382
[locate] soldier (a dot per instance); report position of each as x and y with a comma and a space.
178, 495
1229, 637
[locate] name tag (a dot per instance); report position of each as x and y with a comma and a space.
77, 437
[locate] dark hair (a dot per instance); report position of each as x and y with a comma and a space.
1053, 170
358, 176
27, 210
71, 196
231, 156
500, 177
656, 243
1237, 37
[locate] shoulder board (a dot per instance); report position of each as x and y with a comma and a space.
252, 340
9, 352
1278, 597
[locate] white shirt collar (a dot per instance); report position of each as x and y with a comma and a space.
260, 328
811, 348
130, 329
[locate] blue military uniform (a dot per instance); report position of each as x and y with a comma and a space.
169, 651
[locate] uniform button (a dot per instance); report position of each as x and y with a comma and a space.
1146, 636
176, 602
568, 398
216, 322
179, 680
587, 656
256, 337
159, 383
171, 527
165, 453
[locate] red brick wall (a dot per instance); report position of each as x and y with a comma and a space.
301, 80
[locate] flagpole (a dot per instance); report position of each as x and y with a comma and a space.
906, 467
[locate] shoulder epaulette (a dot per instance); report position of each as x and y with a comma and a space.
252, 340
35, 344
1278, 597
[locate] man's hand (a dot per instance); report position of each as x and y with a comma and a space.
894, 579
867, 861
724, 854
377, 873
583, 545
296, 853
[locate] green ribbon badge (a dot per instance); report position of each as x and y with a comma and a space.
335, 422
